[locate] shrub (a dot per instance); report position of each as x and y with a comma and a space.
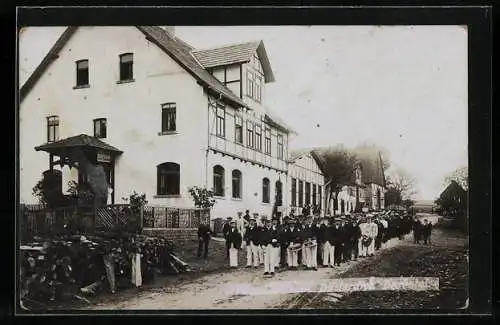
202, 197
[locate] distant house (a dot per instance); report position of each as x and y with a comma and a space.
453, 200
424, 206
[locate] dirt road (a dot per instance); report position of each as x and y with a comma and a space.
217, 291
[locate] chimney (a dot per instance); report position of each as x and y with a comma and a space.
170, 30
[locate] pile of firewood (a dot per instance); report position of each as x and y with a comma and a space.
53, 269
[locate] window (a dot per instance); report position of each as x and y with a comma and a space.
308, 193
126, 67
221, 121
280, 146
301, 193
314, 195
279, 193
265, 190
82, 73
257, 88
100, 128
319, 196
168, 115
218, 180
238, 129
250, 84
258, 137
236, 184
267, 141
52, 128
168, 179
249, 134
294, 192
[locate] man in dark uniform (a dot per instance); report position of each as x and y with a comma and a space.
427, 229
204, 235
310, 237
225, 232
380, 234
337, 235
356, 236
417, 230
349, 234
251, 238
247, 216
282, 239
268, 239
293, 243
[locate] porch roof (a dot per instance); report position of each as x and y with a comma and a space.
78, 141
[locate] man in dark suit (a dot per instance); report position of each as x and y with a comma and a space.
204, 235
225, 232
427, 229
337, 234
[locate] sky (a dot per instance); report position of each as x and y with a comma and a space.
401, 87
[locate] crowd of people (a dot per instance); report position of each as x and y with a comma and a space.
309, 242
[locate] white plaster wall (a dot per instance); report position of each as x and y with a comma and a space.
133, 112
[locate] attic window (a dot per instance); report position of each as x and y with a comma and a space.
82, 73
127, 67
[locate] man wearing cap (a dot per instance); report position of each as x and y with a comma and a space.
252, 243
337, 235
294, 242
234, 239
310, 246
356, 238
268, 238
282, 239
259, 222
362, 243
349, 234
276, 242
225, 232
326, 243
241, 224
372, 232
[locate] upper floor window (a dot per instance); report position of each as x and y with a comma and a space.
52, 128
301, 193
294, 192
319, 196
100, 128
280, 146
250, 134
126, 67
258, 137
82, 73
267, 142
265, 190
258, 88
254, 85
168, 179
238, 129
218, 180
221, 121
236, 184
314, 195
168, 116
250, 84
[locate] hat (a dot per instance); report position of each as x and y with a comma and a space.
232, 221
252, 219
229, 218
292, 220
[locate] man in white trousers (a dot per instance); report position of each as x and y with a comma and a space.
268, 238
293, 242
276, 244
310, 235
324, 238
372, 233
260, 222
363, 227
251, 239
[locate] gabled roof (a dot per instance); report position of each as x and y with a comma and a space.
178, 51
298, 153
277, 122
235, 53
80, 141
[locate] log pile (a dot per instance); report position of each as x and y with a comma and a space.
71, 267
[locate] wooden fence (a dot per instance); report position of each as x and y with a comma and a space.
37, 220
174, 218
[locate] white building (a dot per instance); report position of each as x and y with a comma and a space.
158, 115
306, 182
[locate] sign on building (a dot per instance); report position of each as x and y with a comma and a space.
103, 157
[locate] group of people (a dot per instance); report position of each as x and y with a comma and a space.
422, 231
310, 241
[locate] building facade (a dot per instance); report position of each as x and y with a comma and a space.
305, 183
180, 117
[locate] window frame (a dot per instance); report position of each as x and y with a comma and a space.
250, 83
280, 149
238, 128
301, 193
98, 122
267, 140
258, 137
168, 109
222, 183
52, 124
293, 190
314, 197
250, 135
236, 175
163, 171
266, 190
307, 193
220, 120
79, 71
123, 64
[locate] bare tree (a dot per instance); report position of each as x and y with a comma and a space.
403, 183
461, 176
